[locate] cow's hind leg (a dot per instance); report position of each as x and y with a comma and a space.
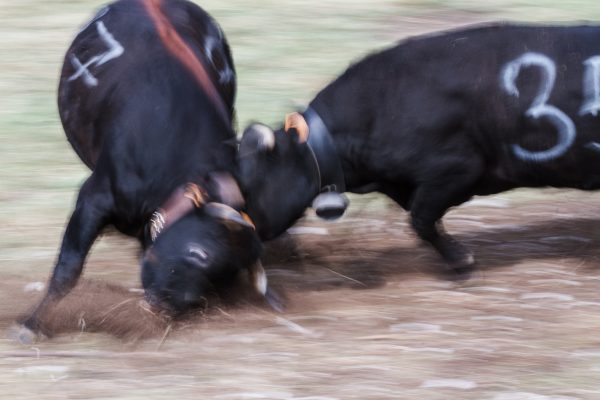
430, 202
87, 220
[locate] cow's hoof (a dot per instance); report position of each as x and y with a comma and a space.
461, 274
462, 269
24, 335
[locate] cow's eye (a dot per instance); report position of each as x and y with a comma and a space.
197, 255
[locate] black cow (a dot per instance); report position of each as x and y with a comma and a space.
432, 122
146, 100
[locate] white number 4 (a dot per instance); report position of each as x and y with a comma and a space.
114, 50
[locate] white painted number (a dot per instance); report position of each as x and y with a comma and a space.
591, 92
540, 108
591, 87
114, 50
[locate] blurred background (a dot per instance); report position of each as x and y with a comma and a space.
367, 318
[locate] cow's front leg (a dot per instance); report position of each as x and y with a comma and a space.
86, 222
428, 206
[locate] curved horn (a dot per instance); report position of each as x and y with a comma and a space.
223, 211
258, 277
259, 280
264, 136
296, 120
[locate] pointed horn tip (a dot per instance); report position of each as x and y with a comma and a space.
259, 277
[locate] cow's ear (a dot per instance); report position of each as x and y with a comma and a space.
296, 122
257, 137
232, 219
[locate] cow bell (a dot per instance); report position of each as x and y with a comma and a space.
330, 205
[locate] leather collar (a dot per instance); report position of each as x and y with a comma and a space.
323, 147
220, 196
182, 201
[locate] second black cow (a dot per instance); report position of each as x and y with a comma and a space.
146, 100
432, 122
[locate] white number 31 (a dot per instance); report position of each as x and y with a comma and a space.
540, 107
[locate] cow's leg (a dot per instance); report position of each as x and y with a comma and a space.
87, 220
430, 202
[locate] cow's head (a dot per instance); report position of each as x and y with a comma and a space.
279, 176
199, 252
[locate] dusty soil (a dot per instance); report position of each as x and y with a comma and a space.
368, 316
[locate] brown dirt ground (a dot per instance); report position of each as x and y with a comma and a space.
367, 317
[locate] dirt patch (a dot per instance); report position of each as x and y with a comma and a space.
97, 306
364, 251
367, 317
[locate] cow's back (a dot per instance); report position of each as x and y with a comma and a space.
121, 85
474, 92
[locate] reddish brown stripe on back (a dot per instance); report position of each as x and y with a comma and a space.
177, 47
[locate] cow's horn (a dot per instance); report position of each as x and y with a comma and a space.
265, 136
259, 281
296, 120
224, 212
258, 277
